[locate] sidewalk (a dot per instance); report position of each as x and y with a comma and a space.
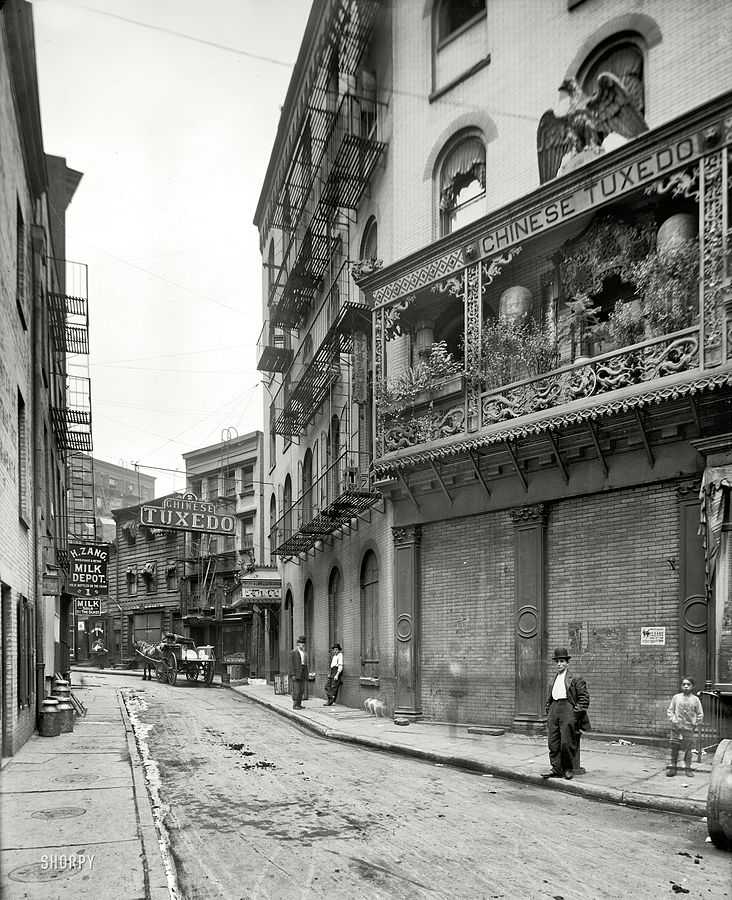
77, 821
634, 775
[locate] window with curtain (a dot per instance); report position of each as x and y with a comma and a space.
452, 15
370, 616
462, 183
272, 531
622, 56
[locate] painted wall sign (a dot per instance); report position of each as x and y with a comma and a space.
187, 513
653, 637
88, 569
88, 606
594, 192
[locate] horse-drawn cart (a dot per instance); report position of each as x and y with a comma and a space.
178, 654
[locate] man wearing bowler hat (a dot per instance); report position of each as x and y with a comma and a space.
298, 672
566, 708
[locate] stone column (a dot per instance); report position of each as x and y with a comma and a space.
406, 621
529, 624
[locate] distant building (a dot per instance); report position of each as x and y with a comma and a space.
45, 408
232, 593
147, 572
117, 487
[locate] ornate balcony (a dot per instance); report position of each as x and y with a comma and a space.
343, 492
317, 363
605, 292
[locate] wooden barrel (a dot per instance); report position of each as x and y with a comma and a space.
719, 798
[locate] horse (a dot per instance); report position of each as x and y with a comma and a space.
149, 653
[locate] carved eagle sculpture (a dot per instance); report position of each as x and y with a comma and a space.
588, 121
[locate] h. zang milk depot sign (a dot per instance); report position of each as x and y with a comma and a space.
187, 513
88, 569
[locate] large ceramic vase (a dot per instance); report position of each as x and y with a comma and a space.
675, 231
515, 304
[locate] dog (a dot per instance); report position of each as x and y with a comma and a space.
375, 707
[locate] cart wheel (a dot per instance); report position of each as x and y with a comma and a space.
172, 669
208, 674
161, 671
192, 673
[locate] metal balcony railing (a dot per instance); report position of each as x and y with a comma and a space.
72, 423
346, 167
316, 364
274, 348
343, 491
349, 24
68, 303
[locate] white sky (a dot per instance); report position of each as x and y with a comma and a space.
173, 136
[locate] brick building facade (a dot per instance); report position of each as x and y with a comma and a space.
443, 491
35, 437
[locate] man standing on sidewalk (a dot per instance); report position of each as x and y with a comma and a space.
566, 708
298, 672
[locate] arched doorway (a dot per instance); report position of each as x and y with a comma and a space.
309, 616
289, 621
335, 612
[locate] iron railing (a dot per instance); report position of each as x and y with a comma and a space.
342, 492
316, 364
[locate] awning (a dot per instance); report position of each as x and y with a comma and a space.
714, 495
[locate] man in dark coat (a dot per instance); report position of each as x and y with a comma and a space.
298, 672
566, 708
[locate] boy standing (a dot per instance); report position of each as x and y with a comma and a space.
685, 713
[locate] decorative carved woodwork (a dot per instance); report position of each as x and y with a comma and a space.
712, 241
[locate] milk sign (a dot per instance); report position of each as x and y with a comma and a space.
88, 568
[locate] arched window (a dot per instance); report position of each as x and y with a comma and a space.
369, 241
309, 616
453, 14
287, 509
272, 529
370, 616
271, 275
335, 612
461, 182
334, 451
307, 486
622, 56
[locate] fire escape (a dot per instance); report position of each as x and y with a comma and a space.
333, 152
71, 412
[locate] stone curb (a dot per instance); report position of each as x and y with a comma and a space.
155, 877
680, 806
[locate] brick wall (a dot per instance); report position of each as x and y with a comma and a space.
608, 573
607, 576
467, 584
347, 553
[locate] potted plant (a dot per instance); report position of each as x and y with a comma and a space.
624, 326
666, 282
514, 350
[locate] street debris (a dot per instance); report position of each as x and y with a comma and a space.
678, 889
621, 742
